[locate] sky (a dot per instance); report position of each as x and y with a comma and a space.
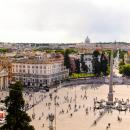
64, 21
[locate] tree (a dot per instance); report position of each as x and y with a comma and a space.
121, 66
61, 51
96, 63
3, 50
17, 118
84, 67
104, 64
67, 60
121, 63
82, 58
96, 53
125, 70
77, 63
71, 50
122, 53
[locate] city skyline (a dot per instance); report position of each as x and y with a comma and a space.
67, 21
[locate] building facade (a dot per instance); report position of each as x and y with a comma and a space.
5, 72
73, 58
88, 61
37, 72
3, 78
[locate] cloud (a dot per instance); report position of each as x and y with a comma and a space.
64, 20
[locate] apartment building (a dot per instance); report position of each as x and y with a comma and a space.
39, 72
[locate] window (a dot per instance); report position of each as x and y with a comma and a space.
16, 78
36, 80
41, 71
41, 80
28, 71
40, 67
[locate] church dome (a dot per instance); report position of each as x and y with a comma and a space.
87, 40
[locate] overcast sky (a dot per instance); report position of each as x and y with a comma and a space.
64, 20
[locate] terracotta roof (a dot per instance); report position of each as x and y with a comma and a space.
36, 61
129, 53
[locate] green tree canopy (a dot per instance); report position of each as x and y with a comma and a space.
17, 118
96, 53
3, 50
100, 63
67, 60
104, 64
125, 70
77, 63
60, 51
96, 63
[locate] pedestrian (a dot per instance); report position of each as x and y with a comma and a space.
95, 122
109, 125
71, 115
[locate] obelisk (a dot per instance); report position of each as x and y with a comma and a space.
110, 94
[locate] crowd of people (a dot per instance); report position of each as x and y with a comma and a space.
71, 100
66, 102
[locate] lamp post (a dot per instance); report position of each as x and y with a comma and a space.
55, 106
51, 118
35, 83
75, 99
56, 102
33, 115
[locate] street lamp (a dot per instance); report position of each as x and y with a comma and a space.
55, 107
33, 116
51, 118
75, 99
56, 102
